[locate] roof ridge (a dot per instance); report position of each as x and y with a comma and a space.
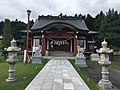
60, 17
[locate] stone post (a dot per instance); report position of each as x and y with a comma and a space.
46, 53
104, 52
80, 59
37, 56
12, 60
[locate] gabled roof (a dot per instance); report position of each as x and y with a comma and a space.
44, 21
92, 32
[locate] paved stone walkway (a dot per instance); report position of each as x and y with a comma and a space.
57, 75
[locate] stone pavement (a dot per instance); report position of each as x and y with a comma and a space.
57, 75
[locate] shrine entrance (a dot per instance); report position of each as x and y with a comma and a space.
60, 44
60, 38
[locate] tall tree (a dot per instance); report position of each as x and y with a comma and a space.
16, 27
98, 20
97, 24
6, 34
110, 28
1, 27
90, 22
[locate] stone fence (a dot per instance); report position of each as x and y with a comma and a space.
116, 53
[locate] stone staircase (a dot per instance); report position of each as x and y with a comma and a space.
60, 54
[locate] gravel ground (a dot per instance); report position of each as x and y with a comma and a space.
95, 74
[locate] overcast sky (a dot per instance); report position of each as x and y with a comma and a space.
16, 9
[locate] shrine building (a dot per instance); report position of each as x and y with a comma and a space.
62, 33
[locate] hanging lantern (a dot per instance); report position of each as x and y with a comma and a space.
51, 46
51, 43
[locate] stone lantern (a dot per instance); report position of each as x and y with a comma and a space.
12, 60
104, 62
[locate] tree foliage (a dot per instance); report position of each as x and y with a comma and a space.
90, 22
98, 19
16, 27
109, 28
1, 27
6, 34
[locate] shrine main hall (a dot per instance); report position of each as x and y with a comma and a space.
61, 33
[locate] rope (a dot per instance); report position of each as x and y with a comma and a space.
60, 40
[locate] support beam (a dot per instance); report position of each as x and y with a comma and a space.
47, 44
86, 47
75, 44
31, 43
71, 46
43, 45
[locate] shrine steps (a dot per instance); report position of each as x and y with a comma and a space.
58, 58
60, 54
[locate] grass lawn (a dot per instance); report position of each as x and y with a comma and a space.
115, 63
90, 83
24, 75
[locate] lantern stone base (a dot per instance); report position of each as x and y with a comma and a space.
80, 61
11, 71
11, 80
37, 59
105, 84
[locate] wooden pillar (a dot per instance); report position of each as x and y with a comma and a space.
71, 44
31, 42
75, 44
43, 45
47, 44
87, 47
